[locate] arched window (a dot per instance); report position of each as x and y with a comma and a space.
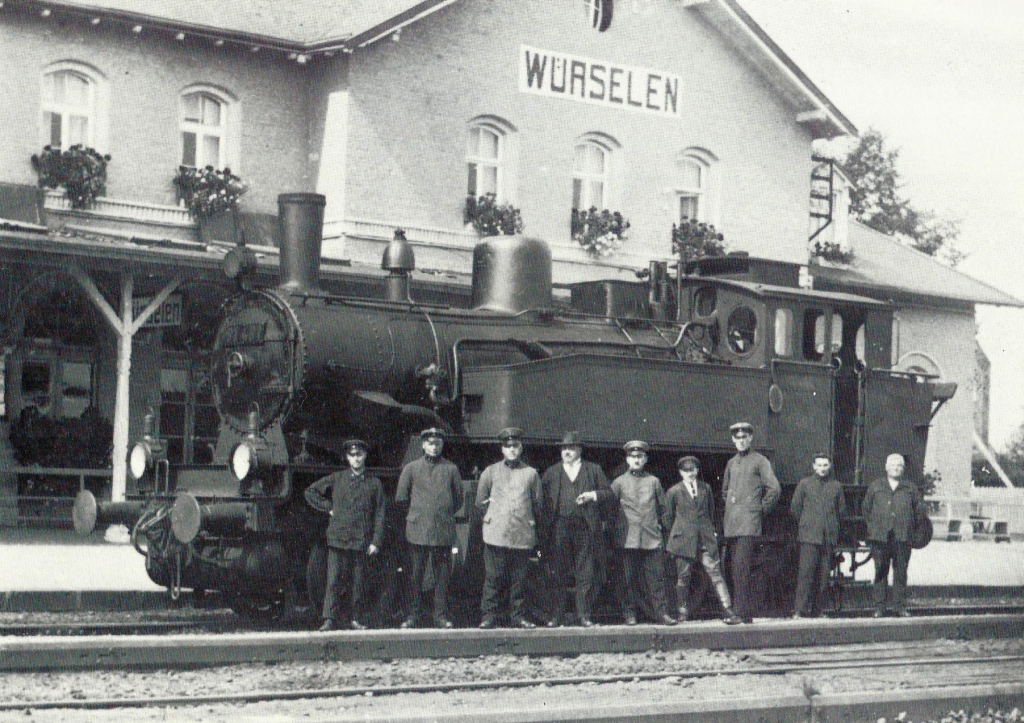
489, 158
73, 99
204, 128
696, 187
592, 161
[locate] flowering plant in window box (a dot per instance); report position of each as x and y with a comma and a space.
692, 239
489, 218
82, 172
600, 233
831, 252
208, 192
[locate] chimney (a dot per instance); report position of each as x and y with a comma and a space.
301, 217
399, 261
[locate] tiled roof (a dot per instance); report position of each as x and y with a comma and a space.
881, 264
304, 22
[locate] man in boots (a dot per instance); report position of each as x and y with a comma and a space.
689, 517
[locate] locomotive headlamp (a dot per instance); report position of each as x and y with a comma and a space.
147, 452
251, 454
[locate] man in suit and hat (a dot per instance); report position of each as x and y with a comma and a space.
817, 503
511, 496
431, 488
690, 520
890, 506
355, 501
639, 535
573, 491
751, 491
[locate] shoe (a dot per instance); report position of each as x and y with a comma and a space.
443, 624
356, 625
523, 623
878, 613
731, 618
748, 621
630, 619
903, 614
586, 623
667, 619
682, 614
487, 623
408, 624
327, 626
552, 623
799, 615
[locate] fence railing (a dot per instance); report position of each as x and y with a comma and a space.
47, 494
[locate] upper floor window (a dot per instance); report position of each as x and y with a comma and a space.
72, 96
591, 174
489, 155
204, 117
695, 190
599, 13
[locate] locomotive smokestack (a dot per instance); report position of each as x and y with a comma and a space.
301, 216
399, 261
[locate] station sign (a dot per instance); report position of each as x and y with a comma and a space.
599, 82
169, 313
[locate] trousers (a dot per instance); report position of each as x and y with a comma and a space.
430, 571
344, 580
897, 554
572, 557
684, 573
812, 578
644, 568
504, 575
741, 556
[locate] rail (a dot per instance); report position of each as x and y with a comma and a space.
53, 507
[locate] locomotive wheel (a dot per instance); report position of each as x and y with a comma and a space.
263, 609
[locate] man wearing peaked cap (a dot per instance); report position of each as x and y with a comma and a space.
751, 490
510, 495
355, 443
639, 535
573, 491
431, 489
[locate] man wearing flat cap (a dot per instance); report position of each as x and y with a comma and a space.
511, 498
751, 490
639, 535
573, 491
431, 488
355, 501
690, 520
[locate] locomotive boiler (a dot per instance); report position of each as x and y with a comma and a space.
673, 358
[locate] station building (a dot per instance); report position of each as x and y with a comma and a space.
395, 111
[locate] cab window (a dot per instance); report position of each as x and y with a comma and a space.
814, 335
784, 332
741, 330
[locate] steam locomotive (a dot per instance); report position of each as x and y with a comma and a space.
673, 358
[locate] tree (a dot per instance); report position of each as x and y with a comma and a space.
876, 201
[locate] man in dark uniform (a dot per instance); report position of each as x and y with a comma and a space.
356, 504
817, 503
639, 535
690, 520
573, 490
511, 497
750, 490
431, 487
890, 507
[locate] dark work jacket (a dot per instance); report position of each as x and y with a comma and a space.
816, 505
885, 509
357, 508
690, 521
590, 479
750, 489
433, 491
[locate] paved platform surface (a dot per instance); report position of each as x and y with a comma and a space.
54, 561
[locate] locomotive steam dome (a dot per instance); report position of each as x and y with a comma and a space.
511, 274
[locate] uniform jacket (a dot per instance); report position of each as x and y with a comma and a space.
885, 509
690, 521
433, 491
512, 500
357, 508
590, 479
642, 505
816, 505
750, 490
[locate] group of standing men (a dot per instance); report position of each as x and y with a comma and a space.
561, 510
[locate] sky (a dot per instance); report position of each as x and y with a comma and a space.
943, 80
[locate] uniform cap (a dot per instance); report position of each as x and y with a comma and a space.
510, 433
689, 461
432, 432
350, 443
571, 439
636, 444
742, 427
